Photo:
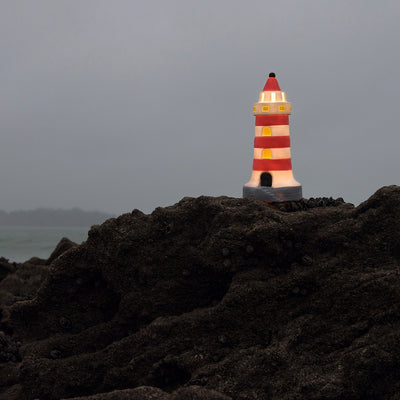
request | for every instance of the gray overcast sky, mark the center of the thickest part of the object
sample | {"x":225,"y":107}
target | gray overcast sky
{"x":116,"y":105}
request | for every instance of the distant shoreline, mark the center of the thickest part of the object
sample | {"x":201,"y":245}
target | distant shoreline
{"x":48,"y":217}
{"x":72,"y":227}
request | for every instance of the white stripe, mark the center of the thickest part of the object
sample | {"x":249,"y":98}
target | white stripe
{"x":276,"y":154}
{"x":276,"y":130}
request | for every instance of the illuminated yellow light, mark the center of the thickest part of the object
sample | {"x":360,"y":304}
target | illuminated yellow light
{"x":254,"y":108}
{"x":281,"y":108}
{"x":266,"y":131}
{"x":265,"y":108}
{"x":266,"y":153}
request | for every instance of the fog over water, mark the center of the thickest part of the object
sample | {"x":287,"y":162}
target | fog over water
{"x":19,"y":244}
{"x":119,"y":105}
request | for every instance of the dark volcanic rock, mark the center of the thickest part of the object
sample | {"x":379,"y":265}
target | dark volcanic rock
{"x":218,"y":298}
{"x":5,"y":268}
{"x":63,"y":245}
{"x":8,"y":349}
{"x":152,"y":393}
{"x":20,"y":282}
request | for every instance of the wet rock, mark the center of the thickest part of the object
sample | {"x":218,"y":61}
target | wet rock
{"x":8,"y":349}
{"x":186,"y":272}
{"x":139,"y":393}
{"x":198,"y":393}
{"x":249,"y":249}
{"x":63,"y":245}
{"x":306,"y":260}
{"x":296,"y":290}
{"x":36,"y":261}
{"x":55,"y":354}
{"x":65,"y":323}
{"x":227,"y":263}
{"x":20,"y":283}
{"x":5,"y":268}
{"x":141,"y":311}
{"x":225,"y":252}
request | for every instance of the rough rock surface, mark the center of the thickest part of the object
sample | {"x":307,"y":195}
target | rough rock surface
{"x":213,"y":298}
{"x":64,"y":245}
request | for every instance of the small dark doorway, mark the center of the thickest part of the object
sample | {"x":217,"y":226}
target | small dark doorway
{"x":266,"y":179}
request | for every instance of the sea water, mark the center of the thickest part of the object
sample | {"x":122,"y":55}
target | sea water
{"x":21,"y":243}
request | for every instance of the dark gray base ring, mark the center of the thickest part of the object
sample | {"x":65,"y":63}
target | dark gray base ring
{"x":266,"y":193}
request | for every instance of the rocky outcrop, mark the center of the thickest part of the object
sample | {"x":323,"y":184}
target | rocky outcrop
{"x":216,"y":298}
{"x":63,"y":245}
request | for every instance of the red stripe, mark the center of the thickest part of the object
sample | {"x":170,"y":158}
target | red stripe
{"x":272,"y":85}
{"x":282,"y":164}
{"x":271,"y":142}
{"x":269,"y":120}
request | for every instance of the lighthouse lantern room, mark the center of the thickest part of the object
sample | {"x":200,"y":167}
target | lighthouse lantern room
{"x":272,"y":177}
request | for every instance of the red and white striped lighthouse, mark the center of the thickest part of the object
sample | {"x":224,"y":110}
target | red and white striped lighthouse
{"x":272,"y":178}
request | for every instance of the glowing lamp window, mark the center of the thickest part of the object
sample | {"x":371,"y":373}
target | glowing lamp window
{"x":266,"y":131}
{"x":254,"y":108}
{"x":265,"y":108}
{"x":266,"y":153}
{"x":281,"y":108}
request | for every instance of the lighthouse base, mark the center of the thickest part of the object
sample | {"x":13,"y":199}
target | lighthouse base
{"x":267,"y":193}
